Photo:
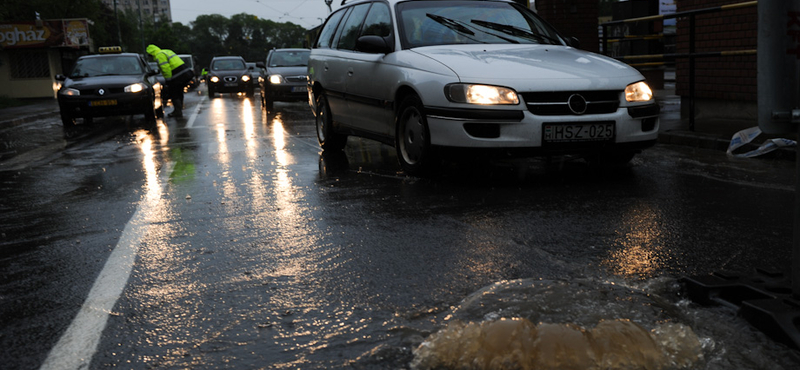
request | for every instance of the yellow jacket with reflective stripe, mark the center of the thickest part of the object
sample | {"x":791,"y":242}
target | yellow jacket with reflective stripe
{"x":167,"y":60}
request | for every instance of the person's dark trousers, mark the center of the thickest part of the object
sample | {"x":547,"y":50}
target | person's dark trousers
{"x":175,"y":85}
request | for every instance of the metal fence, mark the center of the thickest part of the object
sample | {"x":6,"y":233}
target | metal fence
{"x":665,"y":59}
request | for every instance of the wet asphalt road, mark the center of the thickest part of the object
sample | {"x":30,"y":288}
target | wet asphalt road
{"x":248,"y":248}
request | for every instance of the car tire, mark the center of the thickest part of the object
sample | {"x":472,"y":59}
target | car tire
{"x":327,"y":137}
{"x":250,"y":92}
{"x":210,"y":93}
{"x":412,"y":139}
{"x":150,"y":114}
{"x":268,"y":102}
{"x":67,"y":121}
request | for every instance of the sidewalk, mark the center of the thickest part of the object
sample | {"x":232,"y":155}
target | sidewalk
{"x":708,"y":134}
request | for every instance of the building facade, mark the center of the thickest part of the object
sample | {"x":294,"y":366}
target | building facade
{"x":158,"y":10}
{"x":32,"y":53}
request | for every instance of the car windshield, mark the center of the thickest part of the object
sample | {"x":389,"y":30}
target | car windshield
{"x":107,"y":66}
{"x":289,"y":58}
{"x":425,"y":23}
{"x":227,"y":65}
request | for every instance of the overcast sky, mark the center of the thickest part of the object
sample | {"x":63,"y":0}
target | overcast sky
{"x":306,"y":13}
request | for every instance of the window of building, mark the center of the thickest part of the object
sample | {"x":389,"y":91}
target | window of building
{"x":29,"y":64}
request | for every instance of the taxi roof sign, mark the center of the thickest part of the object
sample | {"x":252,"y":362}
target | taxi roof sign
{"x":110,"y":49}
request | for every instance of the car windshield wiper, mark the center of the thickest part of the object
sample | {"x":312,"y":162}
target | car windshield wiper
{"x":451,"y":24}
{"x":515,"y":31}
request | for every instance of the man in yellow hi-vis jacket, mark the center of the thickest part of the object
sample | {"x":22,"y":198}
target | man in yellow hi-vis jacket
{"x":175,"y":72}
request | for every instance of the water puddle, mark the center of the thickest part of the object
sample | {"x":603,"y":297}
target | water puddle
{"x":540,"y":324}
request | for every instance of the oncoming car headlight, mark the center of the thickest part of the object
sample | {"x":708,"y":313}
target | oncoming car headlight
{"x":214,"y":79}
{"x":481,"y":94}
{"x":245,"y":78}
{"x":135,"y":88}
{"x":70,"y":92}
{"x":275,"y":79}
{"x":638,"y":92}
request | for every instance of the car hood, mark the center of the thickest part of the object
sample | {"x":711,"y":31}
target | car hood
{"x":100,"y":81}
{"x":288,"y":71}
{"x":230,"y":72}
{"x":527,"y":67}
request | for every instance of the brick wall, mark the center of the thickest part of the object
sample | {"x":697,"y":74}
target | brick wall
{"x":573,"y":18}
{"x":719,"y":78}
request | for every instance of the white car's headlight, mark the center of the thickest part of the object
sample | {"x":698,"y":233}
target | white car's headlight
{"x":275,"y":79}
{"x":135,"y":88}
{"x":481,"y":94}
{"x":214,"y":79}
{"x":245,"y":78}
{"x":70,"y":92}
{"x":638,"y":92}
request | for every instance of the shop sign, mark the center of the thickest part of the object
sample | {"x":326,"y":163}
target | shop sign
{"x":49,"y":33}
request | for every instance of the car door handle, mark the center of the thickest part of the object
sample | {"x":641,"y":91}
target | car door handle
{"x":350,"y":72}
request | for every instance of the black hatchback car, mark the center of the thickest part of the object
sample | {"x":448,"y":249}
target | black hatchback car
{"x":109,"y":84}
{"x":285,"y":78}
{"x":230,"y":74}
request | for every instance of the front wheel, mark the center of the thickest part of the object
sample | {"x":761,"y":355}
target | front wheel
{"x":412,"y":140}
{"x":67,"y":121}
{"x":327,"y":137}
{"x":210,"y":92}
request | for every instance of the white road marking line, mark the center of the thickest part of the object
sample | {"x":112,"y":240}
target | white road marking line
{"x":194,"y":114}
{"x":79,"y":343}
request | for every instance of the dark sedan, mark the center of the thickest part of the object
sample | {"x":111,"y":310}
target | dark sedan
{"x":230,"y":74}
{"x":109,"y":85}
{"x":285,"y":78}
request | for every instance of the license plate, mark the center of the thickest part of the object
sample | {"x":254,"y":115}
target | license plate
{"x":578,"y":132}
{"x":102,"y":103}
{"x":298,"y":89}
{"x":230,"y":84}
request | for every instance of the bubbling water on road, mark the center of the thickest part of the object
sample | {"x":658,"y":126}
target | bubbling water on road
{"x":538,"y":324}
{"x":519,"y":344}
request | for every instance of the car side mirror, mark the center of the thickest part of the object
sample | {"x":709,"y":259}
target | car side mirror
{"x":373,"y":45}
{"x":574,"y":42}
{"x":151,"y":73}
{"x":61,"y":78}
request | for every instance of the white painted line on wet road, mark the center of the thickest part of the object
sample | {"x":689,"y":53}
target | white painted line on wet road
{"x":196,"y":111}
{"x":79,"y":343}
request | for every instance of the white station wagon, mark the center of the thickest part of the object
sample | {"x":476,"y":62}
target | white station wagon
{"x":426,"y":76}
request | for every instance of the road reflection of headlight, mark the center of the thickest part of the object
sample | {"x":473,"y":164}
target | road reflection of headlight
{"x":135,"y":88}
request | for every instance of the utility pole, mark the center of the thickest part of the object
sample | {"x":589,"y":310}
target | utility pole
{"x":119,"y":33}
{"x":141,"y":25}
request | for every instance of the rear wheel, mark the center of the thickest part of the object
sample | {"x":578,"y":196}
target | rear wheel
{"x":327,"y":137}
{"x":412,"y":140}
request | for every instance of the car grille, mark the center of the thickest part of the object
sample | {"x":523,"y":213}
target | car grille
{"x":296,"y":79}
{"x":106,"y":91}
{"x":567,"y":103}
{"x":230,"y":79}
